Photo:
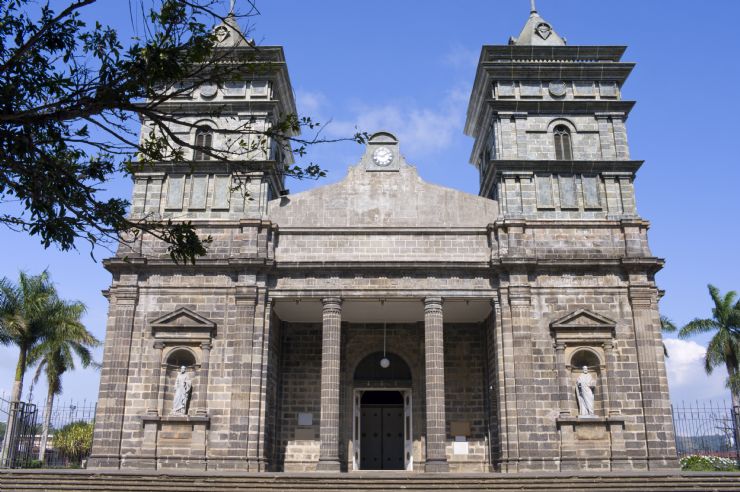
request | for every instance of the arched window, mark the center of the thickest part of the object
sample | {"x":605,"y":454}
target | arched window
{"x":203,"y":142}
{"x":563,"y":146}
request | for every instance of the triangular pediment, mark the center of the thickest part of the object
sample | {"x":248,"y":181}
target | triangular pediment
{"x":585,"y":319}
{"x":183,"y":318}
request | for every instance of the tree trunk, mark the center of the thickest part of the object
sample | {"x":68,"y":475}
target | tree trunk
{"x":8,"y":450}
{"x":732,"y":370}
{"x":47,"y":421}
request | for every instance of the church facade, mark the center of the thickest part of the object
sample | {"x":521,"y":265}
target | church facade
{"x":385,"y":323}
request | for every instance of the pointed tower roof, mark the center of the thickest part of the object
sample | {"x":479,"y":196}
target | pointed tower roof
{"x":537,"y":32}
{"x":229,"y":34}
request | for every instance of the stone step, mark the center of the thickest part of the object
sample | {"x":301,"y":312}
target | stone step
{"x":54,"y":480}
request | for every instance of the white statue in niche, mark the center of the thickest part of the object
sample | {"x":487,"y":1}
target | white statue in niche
{"x":584,"y":390}
{"x":183,"y":385}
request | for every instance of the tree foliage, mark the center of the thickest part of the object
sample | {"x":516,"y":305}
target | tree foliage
{"x":724,"y":347}
{"x":72,"y":95}
{"x":74,"y":440}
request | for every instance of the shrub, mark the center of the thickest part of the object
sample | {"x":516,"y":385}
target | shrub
{"x":74,"y":440}
{"x":696,"y":462}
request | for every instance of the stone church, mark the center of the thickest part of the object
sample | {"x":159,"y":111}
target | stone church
{"x":386,"y":323}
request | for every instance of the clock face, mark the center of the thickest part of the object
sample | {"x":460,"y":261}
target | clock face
{"x":383,"y":156}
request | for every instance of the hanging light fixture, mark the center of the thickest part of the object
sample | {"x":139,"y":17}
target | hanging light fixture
{"x":384,"y":362}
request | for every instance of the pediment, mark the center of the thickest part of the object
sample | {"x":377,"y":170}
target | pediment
{"x":583,"y":324}
{"x":583,"y":318}
{"x":182,"y":322}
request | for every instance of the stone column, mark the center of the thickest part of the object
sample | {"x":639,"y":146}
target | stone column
{"x":330,"y":357}
{"x":205,"y":349}
{"x":563,"y":389}
{"x":434,"y":356}
{"x":156,"y":372}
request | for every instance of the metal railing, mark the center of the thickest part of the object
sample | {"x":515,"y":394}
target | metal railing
{"x":708,"y":429}
{"x":62,"y":414}
{"x":19,"y":429}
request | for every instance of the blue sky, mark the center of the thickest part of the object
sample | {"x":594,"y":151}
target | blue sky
{"x":408,"y":67}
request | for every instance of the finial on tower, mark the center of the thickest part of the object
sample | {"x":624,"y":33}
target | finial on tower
{"x":232,"y":2}
{"x":537,"y":31}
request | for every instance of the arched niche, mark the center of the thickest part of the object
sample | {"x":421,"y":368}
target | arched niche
{"x":592,"y":359}
{"x":370,"y":372}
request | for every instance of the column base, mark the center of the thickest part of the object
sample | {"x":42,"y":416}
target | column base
{"x":328,"y":465}
{"x":436,"y":466}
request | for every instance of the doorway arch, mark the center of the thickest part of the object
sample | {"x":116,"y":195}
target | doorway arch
{"x":381,"y":424}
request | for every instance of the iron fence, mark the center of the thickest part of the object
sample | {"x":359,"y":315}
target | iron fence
{"x":62,"y":414}
{"x":708,"y":429}
{"x":19,"y":429}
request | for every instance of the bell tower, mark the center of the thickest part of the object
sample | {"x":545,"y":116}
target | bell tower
{"x":550,"y":144}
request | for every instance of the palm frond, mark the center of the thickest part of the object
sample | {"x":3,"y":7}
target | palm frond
{"x":697,"y":325}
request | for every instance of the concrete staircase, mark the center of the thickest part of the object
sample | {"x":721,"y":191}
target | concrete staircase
{"x":82,"y":480}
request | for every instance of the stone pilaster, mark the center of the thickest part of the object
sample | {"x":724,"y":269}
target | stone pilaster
{"x":205,"y":349}
{"x":434,"y":357}
{"x":156,"y":363}
{"x":563,"y":390}
{"x":656,"y":406}
{"x":258,"y":394}
{"x":610,"y":403}
{"x":330,"y":375}
{"x":106,"y":451}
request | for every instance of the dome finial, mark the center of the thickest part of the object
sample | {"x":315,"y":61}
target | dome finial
{"x":231,"y":6}
{"x":533,"y":8}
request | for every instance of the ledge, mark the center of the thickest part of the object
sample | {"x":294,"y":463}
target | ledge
{"x":612,"y":419}
{"x":185,"y":419}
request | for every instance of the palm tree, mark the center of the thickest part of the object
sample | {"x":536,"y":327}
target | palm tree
{"x":55,"y":355}
{"x":724,"y":347}
{"x":667,"y":326}
{"x":24,"y":322}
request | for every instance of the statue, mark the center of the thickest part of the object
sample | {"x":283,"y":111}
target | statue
{"x":183,"y":385}
{"x":584,"y":391}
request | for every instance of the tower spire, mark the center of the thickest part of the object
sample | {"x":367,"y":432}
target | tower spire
{"x":232,"y":2}
{"x":532,"y":10}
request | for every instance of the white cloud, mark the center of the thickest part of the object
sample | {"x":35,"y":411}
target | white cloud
{"x":461,"y":57}
{"x":421,"y":130}
{"x":310,"y":103}
{"x":687,"y":378}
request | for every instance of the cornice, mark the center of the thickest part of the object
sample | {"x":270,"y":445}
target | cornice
{"x":565,"y":107}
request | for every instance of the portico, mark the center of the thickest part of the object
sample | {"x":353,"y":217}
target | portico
{"x":358,"y":331}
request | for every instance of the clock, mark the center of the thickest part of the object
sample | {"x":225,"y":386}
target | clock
{"x":383,"y":156}
{"x":208,"y":89}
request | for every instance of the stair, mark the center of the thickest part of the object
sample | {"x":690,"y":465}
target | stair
{"x":170,"y":481}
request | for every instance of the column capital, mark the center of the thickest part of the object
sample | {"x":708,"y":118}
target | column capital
{"x":159,"y":345}
{"x":205,"y":345}
{"x":331,"y":303}
{"x":432,"y":303}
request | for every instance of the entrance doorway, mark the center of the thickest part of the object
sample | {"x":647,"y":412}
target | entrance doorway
{"x":381,"y":431}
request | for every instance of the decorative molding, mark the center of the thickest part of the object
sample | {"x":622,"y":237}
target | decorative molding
{"x":181,"y":323}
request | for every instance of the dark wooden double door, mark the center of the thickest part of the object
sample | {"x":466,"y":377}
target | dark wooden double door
{"x":381,"y":431}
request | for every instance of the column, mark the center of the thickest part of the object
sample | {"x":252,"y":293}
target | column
{"x":156,"y":372}
{"x":329,"y":425}
{"x":205,"y":350}
{"x":563,"y":389}
{"x":609,"y":365}
{"x":434,"y":356}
